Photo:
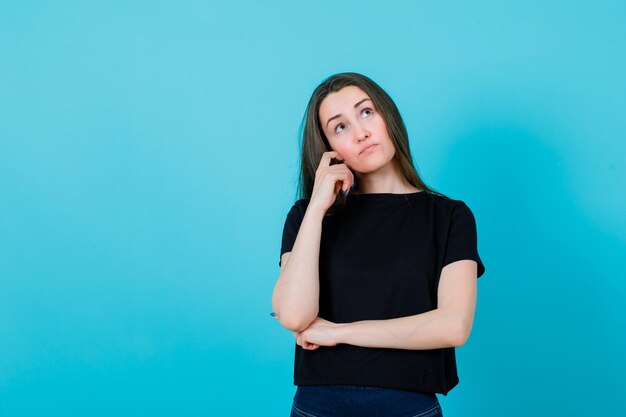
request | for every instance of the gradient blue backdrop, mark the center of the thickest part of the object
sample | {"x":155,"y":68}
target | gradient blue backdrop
{"x":148,"y":158}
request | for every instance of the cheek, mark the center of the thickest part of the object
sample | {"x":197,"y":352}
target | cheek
{"x":338,"y":146}
{"x":346,"y":152}
{"x":389,"y":145}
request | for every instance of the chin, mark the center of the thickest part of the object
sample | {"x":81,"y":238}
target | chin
{"x":370,"y":169}
{"x":374,"y":165}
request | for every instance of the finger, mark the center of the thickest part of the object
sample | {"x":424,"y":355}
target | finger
{"x":346,"y":182}
{"x":350,"y":179}
{"x":341,"y":178}
{"x":338,"y":186}
{"x":327,"y":156}
{"x":345,"y":176}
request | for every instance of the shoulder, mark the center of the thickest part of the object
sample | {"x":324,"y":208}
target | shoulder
{"x":447,"y":204}
{"x":301,"y":204}
{"x":298,"y":208}
{"x":450,"y":211}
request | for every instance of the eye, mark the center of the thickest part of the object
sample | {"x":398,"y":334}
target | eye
{"x":339,"y":128}
{"x":367,"y":112}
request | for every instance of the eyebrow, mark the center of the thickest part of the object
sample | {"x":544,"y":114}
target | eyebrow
{"x":339,"y":115}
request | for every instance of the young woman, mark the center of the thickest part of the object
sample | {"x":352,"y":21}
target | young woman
{"x":377,"y":271}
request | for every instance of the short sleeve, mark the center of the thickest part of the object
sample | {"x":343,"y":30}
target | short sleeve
{"x":291,"y":228}
{"x":462,"y":240}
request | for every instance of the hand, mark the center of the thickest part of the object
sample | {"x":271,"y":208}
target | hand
{"x":319,"y":333}
{"x":329,"y":179}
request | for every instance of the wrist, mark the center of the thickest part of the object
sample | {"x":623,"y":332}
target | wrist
{"x":341,"y":331}
{"x":315,"y":212}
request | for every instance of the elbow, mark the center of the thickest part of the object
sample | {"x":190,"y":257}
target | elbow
{"x":294,"y":313}
{"x":295,"y":319}
{"x":295,"y":324}
{"x":459,"y":333}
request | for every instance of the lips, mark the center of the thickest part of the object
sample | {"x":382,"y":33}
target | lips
{"x":367,"y":147}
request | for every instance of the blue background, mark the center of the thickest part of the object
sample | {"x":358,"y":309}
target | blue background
{"x":149,"y":156}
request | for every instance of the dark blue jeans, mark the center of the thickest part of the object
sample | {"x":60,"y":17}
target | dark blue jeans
{"x":358,"y":401}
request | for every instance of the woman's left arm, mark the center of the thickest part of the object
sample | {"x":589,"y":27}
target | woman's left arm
{"x":449,"y":325}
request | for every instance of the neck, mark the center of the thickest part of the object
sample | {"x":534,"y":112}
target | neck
{"x":385,"y":180}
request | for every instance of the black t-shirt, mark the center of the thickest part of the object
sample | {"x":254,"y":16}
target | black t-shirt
{"x":381,"y":258}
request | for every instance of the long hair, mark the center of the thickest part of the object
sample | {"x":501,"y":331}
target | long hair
{"x":314,"y":141}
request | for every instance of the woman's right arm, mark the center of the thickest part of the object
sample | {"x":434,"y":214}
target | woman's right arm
{"x":296,"y":294}
{"x":295,"y":299}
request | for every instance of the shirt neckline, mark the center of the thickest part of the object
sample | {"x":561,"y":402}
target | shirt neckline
{"x":387,"y":196}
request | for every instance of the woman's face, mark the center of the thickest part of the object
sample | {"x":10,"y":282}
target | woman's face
{"x":352,"y":125}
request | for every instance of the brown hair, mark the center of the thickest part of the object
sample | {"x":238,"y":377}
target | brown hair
{"x":314,"y":141}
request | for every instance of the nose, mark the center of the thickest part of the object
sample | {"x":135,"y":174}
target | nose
{"x":361,"y":132}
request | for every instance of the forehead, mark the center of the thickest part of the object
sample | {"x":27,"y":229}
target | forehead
{"x":341,"y":101}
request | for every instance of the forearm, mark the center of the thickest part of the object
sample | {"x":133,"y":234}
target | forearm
{"x":295,"y":299}
{"x":430,"y":330}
